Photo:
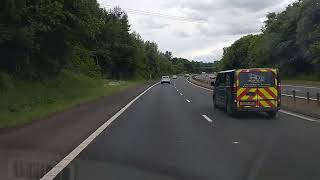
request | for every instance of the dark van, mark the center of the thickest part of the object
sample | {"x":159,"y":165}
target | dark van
{"x":254,"y":90}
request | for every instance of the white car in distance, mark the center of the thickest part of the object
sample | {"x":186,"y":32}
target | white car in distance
{"x":174,"y":77}
{"x":165,"y":79}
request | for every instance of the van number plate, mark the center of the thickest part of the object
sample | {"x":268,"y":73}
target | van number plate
{"x":248,"y":103}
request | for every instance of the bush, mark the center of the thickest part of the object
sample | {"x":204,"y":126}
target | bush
{"x":83,"y":63}
{"x":5,"y":81}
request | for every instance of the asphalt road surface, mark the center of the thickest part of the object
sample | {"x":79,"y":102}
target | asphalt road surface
{"x":301,"y":91}
{"x":173,"y":132}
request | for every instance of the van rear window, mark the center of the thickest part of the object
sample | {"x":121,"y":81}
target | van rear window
{"x":256,"y":79}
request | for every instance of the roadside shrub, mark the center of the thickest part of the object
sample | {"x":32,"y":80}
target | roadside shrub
{"x":84,"y":63}
{"x":5,"y":81}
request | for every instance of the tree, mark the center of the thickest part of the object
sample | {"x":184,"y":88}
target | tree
{"x":289,"y":41}
{"x":236,"y":56}
{"x":40,"y":38}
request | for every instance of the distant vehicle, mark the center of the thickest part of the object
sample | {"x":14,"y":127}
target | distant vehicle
{"x":165,"y":79}
{"x":174,"y":77}
{"x":212,"y":76}
{"x":186,"y":75}
{"x":203,"y":73}
{"x":254,"y":90}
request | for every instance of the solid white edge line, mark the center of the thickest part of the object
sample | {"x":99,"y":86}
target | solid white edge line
{"x":282,"y":111}
{"x":73,"y":154}
{"x":188,"y":100}
{"x":207,"y":118}
{"x":299,"y":116}
{"x":199,"y":86}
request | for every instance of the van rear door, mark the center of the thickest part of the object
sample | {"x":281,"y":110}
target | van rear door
{"x":257,"y":88}
{"x":246,"y":91}
{"x":268,"y":93}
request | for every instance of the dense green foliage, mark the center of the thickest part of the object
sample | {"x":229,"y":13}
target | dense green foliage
{"x":39,"y":38}
{"x":183,"y":65}
{"x":57,"y":54}
{"x":290,"y":41}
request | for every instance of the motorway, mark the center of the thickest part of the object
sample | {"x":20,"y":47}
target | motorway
{"x":173,"y":132}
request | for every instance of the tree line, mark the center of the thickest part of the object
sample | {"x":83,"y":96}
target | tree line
{"x":39,"y":38}
{"x":290,"y":41}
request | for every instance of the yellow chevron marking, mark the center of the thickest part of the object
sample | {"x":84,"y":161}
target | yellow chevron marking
{"x":240,"y":90}
{"x":245,"y":98}
{"x":264,"y":104}
{"x":274,"y":90}
{"x":265,"y":93}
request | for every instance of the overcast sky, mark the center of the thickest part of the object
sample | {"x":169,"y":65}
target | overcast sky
{"x":196,"y":29}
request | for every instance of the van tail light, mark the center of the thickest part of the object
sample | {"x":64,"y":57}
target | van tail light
{"x":235,"y":92}
{"x":279,"y":87}
{"x":279,"y":94}
{"x":234,"y":88}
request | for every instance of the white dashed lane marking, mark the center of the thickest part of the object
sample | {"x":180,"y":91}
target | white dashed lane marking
{"x":207,"y":118}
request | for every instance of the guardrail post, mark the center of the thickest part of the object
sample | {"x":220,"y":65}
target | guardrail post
{"x":308,"y":96}
{"x":318,"y":98}
{"x":294,"y":94}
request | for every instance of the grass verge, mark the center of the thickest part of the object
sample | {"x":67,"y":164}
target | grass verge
{"x":306,"y":80}
{"x":31,"y":100}
{"x":301,"y":82}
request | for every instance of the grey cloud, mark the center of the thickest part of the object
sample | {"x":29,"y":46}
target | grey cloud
{"x":251,"y":5}
{"x":205,"y":58}
{"x":150,"y":23}
{"x":228,"y":28}
{"x":182,"y":34}
{"x":213,"y":5}
{"x":226,"y":10}
{"x":217,"y":23}
{"x":227,"y":17}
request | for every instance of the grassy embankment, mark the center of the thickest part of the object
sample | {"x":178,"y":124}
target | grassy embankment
{"x":301,"y":82}
{"x":305,"y":80}
{"x":27,"y":101}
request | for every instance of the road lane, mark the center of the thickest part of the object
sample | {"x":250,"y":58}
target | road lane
{"x":275,"y":137}
{"x":162,"y":136}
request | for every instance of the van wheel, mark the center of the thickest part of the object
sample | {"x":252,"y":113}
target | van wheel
{"x":230,"y":110}
{"x":272,"y":114}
